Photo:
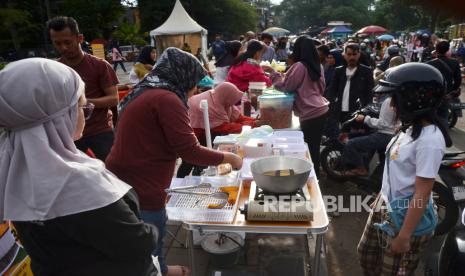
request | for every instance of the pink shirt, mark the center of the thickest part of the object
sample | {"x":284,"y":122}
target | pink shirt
{"x":309,"y":101}
{"x":116,"y":55}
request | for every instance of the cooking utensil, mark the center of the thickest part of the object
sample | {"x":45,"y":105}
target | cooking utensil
{"x":222,"y":197}
{"x":200,"y":186}
{"x":280,"y":184}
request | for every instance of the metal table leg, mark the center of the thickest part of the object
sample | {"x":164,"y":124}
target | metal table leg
{"x":190,"y":245}
{"x":317,"y":258}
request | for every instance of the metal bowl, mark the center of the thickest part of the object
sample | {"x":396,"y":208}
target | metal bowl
{"x":280,"y":184}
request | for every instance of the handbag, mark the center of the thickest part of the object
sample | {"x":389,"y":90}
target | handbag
{"x":397,"y":211}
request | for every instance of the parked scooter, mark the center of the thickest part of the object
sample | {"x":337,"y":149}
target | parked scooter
{"x":331,"y":156}
{"x":455,"y":110}
{"x":449,"y":195}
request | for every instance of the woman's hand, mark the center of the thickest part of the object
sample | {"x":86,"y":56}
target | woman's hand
{"x":268,"y":69}
{"x":233,"y":159}
{"x":359,"y":118}
{"x":400,"y":245}
{"x":260,"y":122}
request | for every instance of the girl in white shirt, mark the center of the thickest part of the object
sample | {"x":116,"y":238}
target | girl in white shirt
{"x":413,"y":158}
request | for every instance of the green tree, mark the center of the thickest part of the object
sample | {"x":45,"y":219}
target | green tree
{"x":21,"y":24}
{"x":228,"y":17}
{"x":129,"y":34}
{"x":95,"y":17}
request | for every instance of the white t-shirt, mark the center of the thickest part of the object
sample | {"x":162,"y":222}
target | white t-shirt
{"x":133,"y":79}
{"x":409,"y":159}
{"x":345,"y":96}
{"x":221,"y":74}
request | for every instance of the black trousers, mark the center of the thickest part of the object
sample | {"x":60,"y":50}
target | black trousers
{"x":313,"y":130}
{"x":185,"y":169}
{"x":100,"y":144}
{"x":115,"y":65}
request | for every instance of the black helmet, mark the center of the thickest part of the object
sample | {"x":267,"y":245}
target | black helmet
{"x":416,"y":88}
{"x":393,"y":50}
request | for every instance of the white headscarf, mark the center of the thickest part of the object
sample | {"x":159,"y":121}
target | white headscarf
{"x":42,"y":174}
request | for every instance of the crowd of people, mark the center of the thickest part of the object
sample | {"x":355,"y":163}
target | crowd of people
{"x":63,"y":202}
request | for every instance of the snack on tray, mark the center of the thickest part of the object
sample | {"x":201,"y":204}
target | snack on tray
{"x":232,"y":191}
{"x":214,"y":206}
{"x":224,"y":169}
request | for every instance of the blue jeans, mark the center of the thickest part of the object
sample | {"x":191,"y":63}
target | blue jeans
{"x":157,"y":218}
{"x":359,"y":151}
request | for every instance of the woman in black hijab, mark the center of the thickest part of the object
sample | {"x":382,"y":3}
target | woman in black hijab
{"x":224,"y":62}
{"x":153,"y":131}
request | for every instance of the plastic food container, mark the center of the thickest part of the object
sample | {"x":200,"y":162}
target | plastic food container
{"x":293,"y":150}
{"x":288,"y":133}
{"x":255,"y":90}
{"x":277,"y":109}
{"x":254,"y":147}
{"x":288,"y":140}
{"x":183,"y":207}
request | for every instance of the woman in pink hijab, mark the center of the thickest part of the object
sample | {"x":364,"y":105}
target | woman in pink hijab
{"x":224,"y":116}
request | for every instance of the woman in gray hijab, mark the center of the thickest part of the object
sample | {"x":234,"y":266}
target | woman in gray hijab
{"x":72,"y":216}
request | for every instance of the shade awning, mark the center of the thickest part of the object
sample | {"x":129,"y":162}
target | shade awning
{"x":179,"y":22}
{"x":373,"y":29}
{"x":340,"y":29}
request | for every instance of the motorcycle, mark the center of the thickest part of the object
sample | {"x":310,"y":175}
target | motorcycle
{"x":448,"y":244}
{"x":455,"y":110}
{"x":331,"y":156}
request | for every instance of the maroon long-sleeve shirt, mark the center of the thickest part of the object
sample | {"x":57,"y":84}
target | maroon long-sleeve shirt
{"x":152,"y":132}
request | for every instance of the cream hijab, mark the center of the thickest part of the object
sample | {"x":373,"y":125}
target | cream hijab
{"x":42,"y":174}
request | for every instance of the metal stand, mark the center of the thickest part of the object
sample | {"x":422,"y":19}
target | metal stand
{"x":190,"y":248}
{"x":317,"y":258}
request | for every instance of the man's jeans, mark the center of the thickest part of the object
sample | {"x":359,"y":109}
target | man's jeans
{"x":157,"y":218}
{"x":359,"y":151}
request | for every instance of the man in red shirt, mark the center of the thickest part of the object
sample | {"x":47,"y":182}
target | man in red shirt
{"x":100,"y":80}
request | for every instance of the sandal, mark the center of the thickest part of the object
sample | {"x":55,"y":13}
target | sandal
{"x":178,"y":270}
{"x":356,"y":172}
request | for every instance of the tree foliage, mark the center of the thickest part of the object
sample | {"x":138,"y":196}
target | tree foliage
{"x":396,"y":15}
{"x":129,"y":34}
{"x":297,"y":15}
{"x":229,"y":17}
{"x":95,"y":17}
{"x":20,"y":24}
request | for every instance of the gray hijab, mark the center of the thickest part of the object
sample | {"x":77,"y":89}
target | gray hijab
{"x":42,"y":174}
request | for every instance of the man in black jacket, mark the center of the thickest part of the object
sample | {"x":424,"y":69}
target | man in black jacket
{"x":351,"y":83}
{"x":450,"y":70}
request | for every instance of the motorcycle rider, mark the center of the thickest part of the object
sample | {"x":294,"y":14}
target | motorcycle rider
{"x":393,"y":239}
{"x":450,"y":70}
{"x":392,"y":51}
{"x":359,"y":150}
